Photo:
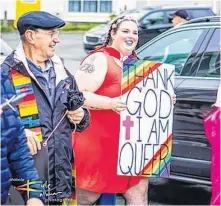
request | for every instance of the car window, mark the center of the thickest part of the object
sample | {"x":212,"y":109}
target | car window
{"x":210,"y":62}
{"x":153,"y":18}
{"x":173,"y":48}
{"x":200,"y":13}
{"x":5,"y":49}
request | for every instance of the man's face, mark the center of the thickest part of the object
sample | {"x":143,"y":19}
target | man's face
{"x":176,"y":20}
{"x":45,"y":42}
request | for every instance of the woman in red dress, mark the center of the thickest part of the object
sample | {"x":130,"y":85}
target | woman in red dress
{"x":96,"y":149}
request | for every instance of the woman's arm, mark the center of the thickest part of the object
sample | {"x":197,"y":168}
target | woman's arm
{"x":89,"y":77}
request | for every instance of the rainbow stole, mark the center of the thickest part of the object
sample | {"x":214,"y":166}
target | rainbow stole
{"x":28,"y":108}
{"x":132,"y":68}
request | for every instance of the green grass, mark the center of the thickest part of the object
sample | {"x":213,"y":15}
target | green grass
{"x":79,"y":26}
{"x":4,"y":28}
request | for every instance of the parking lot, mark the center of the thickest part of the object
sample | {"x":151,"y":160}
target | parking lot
{"x":162,"y":191}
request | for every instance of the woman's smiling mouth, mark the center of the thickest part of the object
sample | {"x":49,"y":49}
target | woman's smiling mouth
{"x":129,"y":42}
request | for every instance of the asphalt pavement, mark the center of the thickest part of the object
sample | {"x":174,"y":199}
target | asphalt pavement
{"x":161,"y":191}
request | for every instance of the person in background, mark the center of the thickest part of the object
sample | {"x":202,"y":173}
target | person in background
{"x":16,"y":161}
{"x":212,"y":131}
{"x":179,"y":17}
{"x":35,"y":68}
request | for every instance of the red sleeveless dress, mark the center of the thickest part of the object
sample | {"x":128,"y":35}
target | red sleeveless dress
{"x":96,"y":149}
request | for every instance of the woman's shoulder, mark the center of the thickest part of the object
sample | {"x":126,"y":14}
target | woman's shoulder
{"x":96,"y":55}
{"x":98,"y":58}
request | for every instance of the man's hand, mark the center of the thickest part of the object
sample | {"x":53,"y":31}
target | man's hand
{"x":117,"y":105}
{"x":76,"y":116}
{"x":33,"y":142}
{"x":34,"y":201}
{"x":174,"y":99}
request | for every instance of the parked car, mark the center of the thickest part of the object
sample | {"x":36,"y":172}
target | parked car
{"x":159,"y":20}
{"x":151,"y":22}
{"x":5,"y":50}
{"x":97,"y":35}
{"x":194,"y":49}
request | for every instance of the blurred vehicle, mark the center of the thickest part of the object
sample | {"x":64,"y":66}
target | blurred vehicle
{"x":5,"y":50}
{"x":159,"y":20}
{"x":194,"y":49}
{"x":151,"y":22}
{"x":97,"y":35}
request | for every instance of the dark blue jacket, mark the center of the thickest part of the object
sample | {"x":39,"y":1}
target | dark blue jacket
{"x":17,"y":164}
{"x":55,"y":161}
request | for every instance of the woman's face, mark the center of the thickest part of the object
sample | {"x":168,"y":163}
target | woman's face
{"x":126,"y":37}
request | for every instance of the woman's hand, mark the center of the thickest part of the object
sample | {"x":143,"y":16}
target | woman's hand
{"x":174,"y":99}
{"x":117,"y":105}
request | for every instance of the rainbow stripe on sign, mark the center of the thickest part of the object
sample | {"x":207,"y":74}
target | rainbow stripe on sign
{"x":28,"y":109}
{"x":135,"y":72}
{"x":160,"y":163}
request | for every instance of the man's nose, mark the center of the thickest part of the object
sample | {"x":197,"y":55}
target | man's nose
{"x":56,"y":40}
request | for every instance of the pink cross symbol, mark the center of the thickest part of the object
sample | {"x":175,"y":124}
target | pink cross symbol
{"x":128,"y":124}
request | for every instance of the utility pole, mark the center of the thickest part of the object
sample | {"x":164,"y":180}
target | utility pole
{"x":5,"y":21}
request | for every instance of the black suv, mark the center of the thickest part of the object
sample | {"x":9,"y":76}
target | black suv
{"x":194,"y":49}
{"x":151,"y":22}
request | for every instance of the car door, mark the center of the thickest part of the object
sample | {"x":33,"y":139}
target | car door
{"x":196,"y":91}
{"x":181,"y":48}
{"x":148,"y":27}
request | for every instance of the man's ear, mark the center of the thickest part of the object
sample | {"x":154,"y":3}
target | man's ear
{"x":30,"y":36}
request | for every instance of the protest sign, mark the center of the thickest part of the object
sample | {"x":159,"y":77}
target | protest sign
{"x":146,"y":125}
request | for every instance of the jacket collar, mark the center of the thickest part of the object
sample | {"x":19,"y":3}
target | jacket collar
{"x":59,"y":69}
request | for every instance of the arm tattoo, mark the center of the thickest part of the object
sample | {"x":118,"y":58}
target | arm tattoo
{"x":88,"y":66}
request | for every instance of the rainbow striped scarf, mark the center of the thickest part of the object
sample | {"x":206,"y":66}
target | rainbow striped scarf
{"x":28,"y":108}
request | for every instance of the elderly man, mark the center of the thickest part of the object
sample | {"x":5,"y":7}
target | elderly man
{"x":36,"y":70}
{"x":179,"y":17}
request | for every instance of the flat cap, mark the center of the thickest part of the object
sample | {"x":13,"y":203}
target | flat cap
{"x":38,"y":19}
{"x":181,"y":13}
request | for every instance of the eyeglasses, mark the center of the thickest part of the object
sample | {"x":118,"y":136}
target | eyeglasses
{"x":52,"y":34}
